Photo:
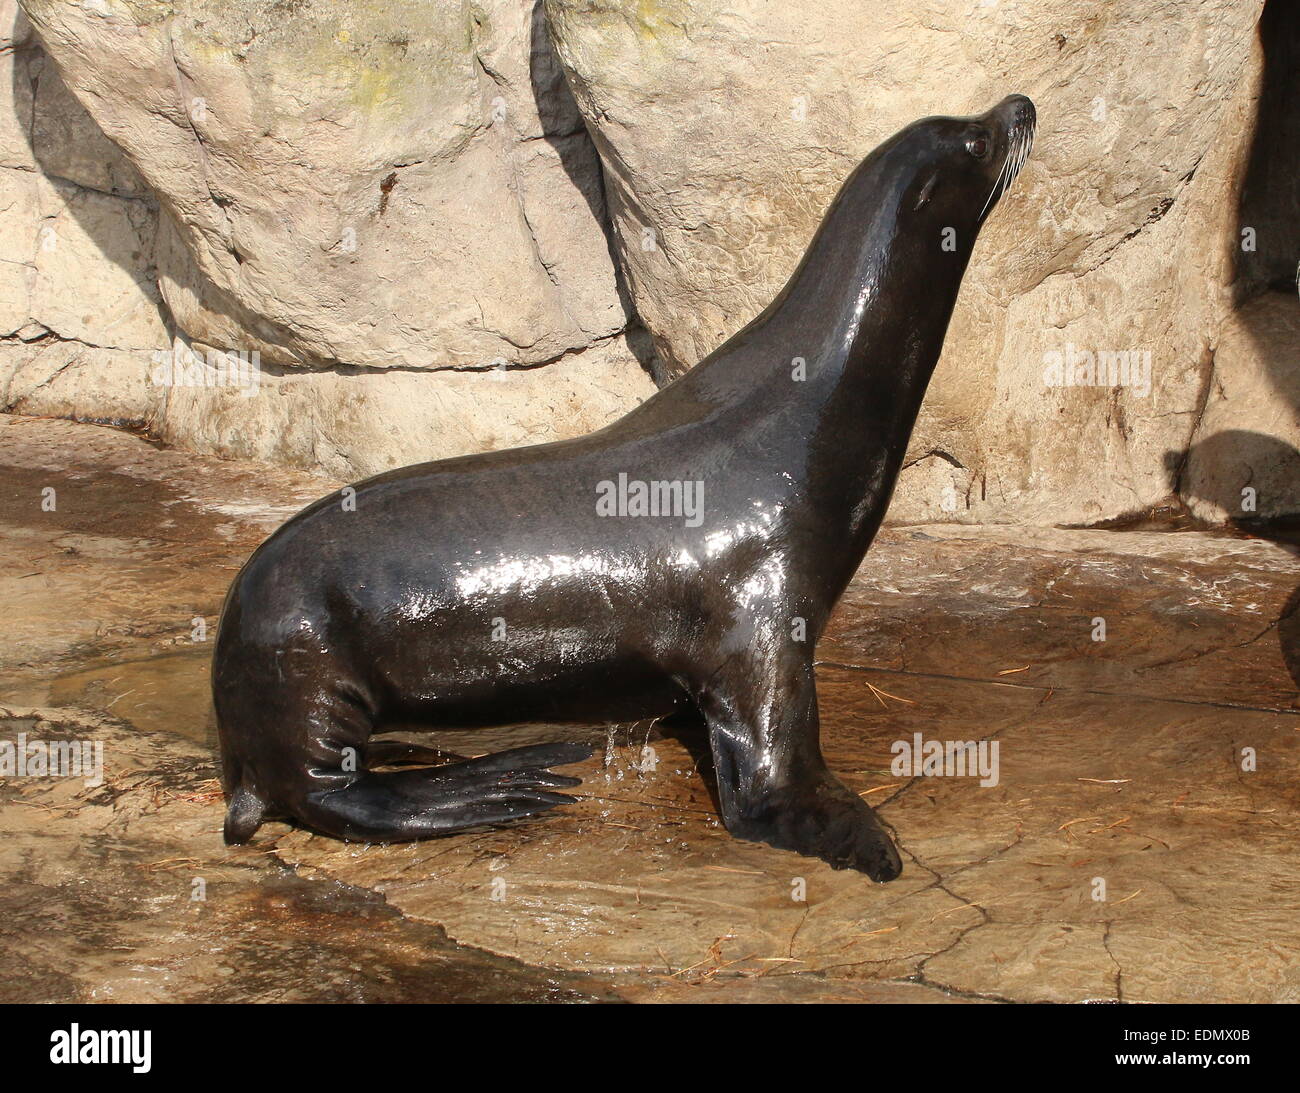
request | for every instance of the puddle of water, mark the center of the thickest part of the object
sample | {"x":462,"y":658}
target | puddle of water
{"x":169,"y":692}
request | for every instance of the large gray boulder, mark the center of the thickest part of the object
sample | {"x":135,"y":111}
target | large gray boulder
{"x":380,"y":187}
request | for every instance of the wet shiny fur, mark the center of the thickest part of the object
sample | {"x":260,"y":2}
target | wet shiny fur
{"x":489,"y":589}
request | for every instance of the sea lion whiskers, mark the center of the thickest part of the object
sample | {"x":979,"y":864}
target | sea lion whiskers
{"x":996,"y":191}
{"x":1019,"y":142}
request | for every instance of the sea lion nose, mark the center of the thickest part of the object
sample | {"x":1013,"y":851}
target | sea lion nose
{"x":1015,"y":111}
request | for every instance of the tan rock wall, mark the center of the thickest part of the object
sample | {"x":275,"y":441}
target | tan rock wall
{"x":726,"y":126}
{"x":441,"y":226}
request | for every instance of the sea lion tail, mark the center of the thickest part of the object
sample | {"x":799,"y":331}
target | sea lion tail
{"x":244,"y":815}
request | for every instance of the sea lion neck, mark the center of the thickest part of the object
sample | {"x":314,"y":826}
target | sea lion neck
{"x":847,"y":348}
{"x":875,"y":273}
{"x":826,"y":384}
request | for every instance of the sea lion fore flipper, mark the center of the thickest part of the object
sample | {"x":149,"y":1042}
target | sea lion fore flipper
{"x":773,"y":783}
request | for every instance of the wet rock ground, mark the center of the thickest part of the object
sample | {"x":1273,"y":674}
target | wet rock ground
{"x":1139,"y":843}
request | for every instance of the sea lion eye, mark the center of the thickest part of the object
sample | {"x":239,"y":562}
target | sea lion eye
{"x":978,"y":147}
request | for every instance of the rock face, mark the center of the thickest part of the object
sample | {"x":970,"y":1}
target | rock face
{"x":452,"y":226}
{"x":395,"y":189}
{"x":352,"y":425}
{"x":79,"y":303}
{"x":726,"y":126}
{"x":361,"y":197}
{"x":1243,"y":464}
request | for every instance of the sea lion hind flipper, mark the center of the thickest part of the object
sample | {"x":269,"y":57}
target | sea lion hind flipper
{"x":399,"y":806}
{"x":381,"y":753}
{"x":529,"y":757}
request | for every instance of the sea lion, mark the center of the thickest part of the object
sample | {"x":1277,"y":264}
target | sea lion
{"x":688,"y":555}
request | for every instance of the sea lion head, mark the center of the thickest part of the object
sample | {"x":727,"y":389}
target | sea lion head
{"x":885,"y":267}
{"x":958,"y":168}
{"x":896,"y":240}
{"x":907,"y":219}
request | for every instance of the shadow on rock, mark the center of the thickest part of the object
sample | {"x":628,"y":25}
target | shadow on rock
{"x":1223,"y":470}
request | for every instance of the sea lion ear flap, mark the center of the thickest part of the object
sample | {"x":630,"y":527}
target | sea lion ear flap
{"x":926,"y":191}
